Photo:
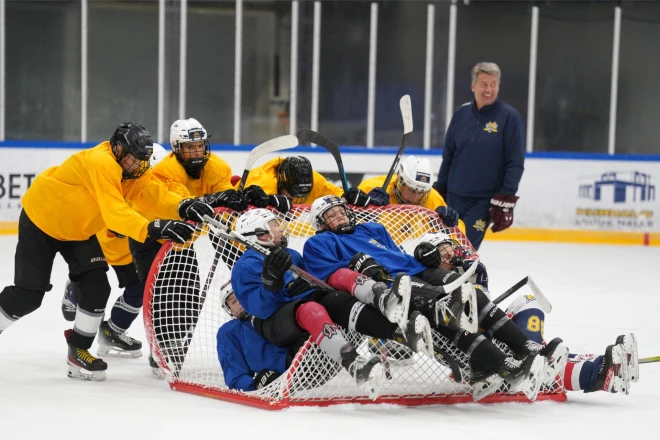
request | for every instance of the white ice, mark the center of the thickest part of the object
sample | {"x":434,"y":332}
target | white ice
{"x":597,"y":292}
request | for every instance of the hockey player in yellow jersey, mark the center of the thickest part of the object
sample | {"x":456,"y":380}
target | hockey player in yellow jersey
{"x":294,"y":178}
{"x":65,"y":207}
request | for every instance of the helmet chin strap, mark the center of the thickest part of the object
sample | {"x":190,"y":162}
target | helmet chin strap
{"x":346,"y":228}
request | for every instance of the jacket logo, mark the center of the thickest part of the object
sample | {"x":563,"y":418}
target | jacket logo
{"x":375,"y":243}
{"x":491,"y":127}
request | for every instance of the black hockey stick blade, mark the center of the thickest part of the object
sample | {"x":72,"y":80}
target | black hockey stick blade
{"x":276,"y":144}
{"x":406,"y":115}
{"x":510,"y":291}
{"x":312,"y":137}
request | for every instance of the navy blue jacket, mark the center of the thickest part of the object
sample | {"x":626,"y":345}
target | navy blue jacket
{"x":484,"y":152}
{"x":242,"y":353}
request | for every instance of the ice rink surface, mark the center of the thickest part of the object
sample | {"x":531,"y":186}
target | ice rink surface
{"x":597,"y":292}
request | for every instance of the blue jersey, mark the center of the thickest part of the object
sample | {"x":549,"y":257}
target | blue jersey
{"x":249,"y":289}
{"x":484,"y":151}
{"x":327,"y":252}
{"x":243,"y":353}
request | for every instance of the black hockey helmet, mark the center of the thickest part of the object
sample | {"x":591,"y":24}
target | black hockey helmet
{"x":295,"y":175}
{"x":136,"y":142}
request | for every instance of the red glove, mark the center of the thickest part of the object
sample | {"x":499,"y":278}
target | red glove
{"x":501,"y":211}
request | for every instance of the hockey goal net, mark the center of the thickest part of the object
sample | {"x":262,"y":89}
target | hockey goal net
{"x":182,"y":314}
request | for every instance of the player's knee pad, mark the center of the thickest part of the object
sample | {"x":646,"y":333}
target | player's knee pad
{"x":126,"y":274}
{"x":350,"y":281}
{"x":17,"y":302}
{"x":94,"y":290}
{"x":311,"y":316}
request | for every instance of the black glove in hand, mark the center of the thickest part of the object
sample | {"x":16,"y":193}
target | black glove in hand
{"x":174,"y":230}
{"x":501,"y":211}
{"x":448,"y":215}
{"x":298,"y":287}
{"x":195,"y":210}
{"x":481,"y":274}
{"x":357,"y":197}
{"x":230,"y":198}
{"x":379,"y":196}
{"x":427,"y":254}
{"x":256,"y":196}
{"x":280,"y":202}
{"x":367,"y":266}
{"x":275,"y":266}
{"x":264,"y":378}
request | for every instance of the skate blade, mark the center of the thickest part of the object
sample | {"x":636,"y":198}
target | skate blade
{"x":486,"y":387}
{"x":469,"y":322}
{"x":106,"y":351}
{"x":621,"y":381}
{"x":425,"y":343}
{"x":401,"y":318}
{"x":556,"y":364}
{"x":373,"y":384}
{"x":156,"y":372}
{"x":76,"y":372}
{"x":532,"y":383}
{"x":630,"y":346}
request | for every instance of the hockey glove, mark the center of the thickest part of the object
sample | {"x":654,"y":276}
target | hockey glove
{"x":275,"y":266}
{"x":174,"y":230}
{"x":195,"y":210}
{"x":367,"y":266}
{"x":357,"y":197}
{"x":264,"y":378}
{"x":379,"y":196}
{"x":481,"y":274}
{"x":298,"y":287}
{"x":427,"y":254}
{"x":448,"y":215}
{"x":230,"y":198}
{"x":256,"y":196}
{"x":280,"y":202}
{"x":501,"y":211}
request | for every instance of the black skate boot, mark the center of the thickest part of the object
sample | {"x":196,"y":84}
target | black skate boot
{"x":613,"y":376}
{"x":79,"y":359}
{"x":525,"y":375}
{"x":629,"y":344}
{"x":113,"y":343}
{"x":555,"y":352}
{"x":394,"y":303}
{"x":69,"y":306}
{"x":418,"y":336}
{"x":155,"y":369}
{"x":367,"y":373}
{"x":458,"y":310}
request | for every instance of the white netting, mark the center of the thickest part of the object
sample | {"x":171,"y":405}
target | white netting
{"x":183,"y":314}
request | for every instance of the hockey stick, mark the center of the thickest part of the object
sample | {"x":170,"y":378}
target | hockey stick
{"x":510,"y":291}
{"x":276,"y":144}
{"x":406,"y":114}
{"x":313,"y":137}
{"x":226,"y":232}
{"x":649,"y":360}
{"x":544,"y":304}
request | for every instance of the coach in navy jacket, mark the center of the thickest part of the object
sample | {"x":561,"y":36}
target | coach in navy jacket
{"x":483,"y":157}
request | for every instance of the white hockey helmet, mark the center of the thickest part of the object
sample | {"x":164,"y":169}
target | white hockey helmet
{"x":436,"y":238}
{"x":256,"y":222}
{"x":322,"y":205}
{"x":189,"y":130}
{"x":415,"y":173}
{"x":159,"y":154}
{"x":225,"y":291}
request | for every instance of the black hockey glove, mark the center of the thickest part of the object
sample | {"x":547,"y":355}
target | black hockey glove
{"x":195,"y":210}
{"x":481,"y":274}
{"x":357,"y":197}
{"x":367,"y":266}
{"x":280,"y":202}
{"x":230,"y":198}
{"x":379,"y":196}
{"x":298,"y":286}
{"x":174,"y":230}
{"x":427,"y":254}
{"x":264,"y":378}
{"x":448,"y":215}
{"x":275,"y":266}
{"x":256,"y":196}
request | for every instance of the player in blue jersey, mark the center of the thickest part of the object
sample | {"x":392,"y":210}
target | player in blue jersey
{"x":610,"y":372}
{"x":285,"y":308}
{"x":339,"y":242}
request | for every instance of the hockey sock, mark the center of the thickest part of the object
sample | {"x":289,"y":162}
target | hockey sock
{"x":94,"y":293}
{"x":497,"y":324}
{"x":313,"y":318}
{"x":481,"y":352}
{"x":127,"y":307}
{"x":354,"y":283}
{"x":581,"y":371}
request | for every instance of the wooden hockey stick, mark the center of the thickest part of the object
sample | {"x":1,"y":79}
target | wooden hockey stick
{"x":313,"y":137}
{"x":406,"y":114}
{"x":648,"y":360}
{"x":276,"y":144}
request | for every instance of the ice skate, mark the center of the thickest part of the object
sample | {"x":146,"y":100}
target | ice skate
{"x":629,"y":345}
{"x":82,"y":365}
{"x":155,"y":369}
{"x":394,"y":303}
{"x":113,"y":343}
{"x":368,"y":373}
{"x":613,"y":376}
{"x":458,"y":310}
{"x":556,"y":354}
{"x":525,"y":375}
{"x":418,"y":336}
{"x":69,"y":303}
